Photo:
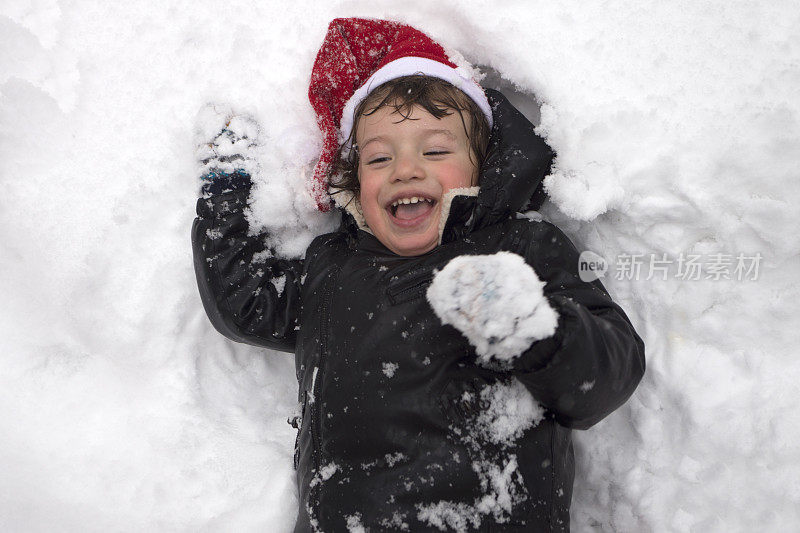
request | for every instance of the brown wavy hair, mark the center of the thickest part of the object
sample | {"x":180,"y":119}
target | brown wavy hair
{"x":434,"y":95}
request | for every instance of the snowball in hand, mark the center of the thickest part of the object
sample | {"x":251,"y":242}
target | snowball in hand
{"x":496,"y":301}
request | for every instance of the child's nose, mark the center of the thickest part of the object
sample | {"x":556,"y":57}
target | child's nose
{"x":407,"y":167}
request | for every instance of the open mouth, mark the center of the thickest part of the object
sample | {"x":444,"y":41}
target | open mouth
{"x":409,"y":209}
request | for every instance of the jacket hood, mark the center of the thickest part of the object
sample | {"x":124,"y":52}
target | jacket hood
{"x":511,"y":176}
{"x":510,"y":181}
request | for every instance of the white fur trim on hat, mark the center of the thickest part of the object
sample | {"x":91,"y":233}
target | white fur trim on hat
{"x":407,"y":66}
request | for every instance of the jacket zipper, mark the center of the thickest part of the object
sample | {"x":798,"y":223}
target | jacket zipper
{"x":316,"y":408}
{"x":316,"y":405}
{"x":400,"y":293}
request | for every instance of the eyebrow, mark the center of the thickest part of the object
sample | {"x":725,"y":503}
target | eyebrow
{"x":427,"y":133}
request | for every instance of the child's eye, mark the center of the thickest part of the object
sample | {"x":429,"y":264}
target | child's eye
{"x":437,"y":152}
{"x":377,"y":160}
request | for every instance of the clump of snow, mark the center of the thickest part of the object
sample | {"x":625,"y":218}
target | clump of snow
{"x":288,"y":218}
{"x":394,"y":458}
{"x":534,"y":216}
{"x":397,"y":522}
{"x":496,"y":301}
{"x":310,"y":392}
{"x":464,"y":68}
{"x":390,"y":459}
{"x":279,"y":283}
{"x":262,"y":256}
{"x":324,"y":474}
{"x":213,"y":233}
{"x":445,"y":514}
{"x":389,"y":369}
{"x":507,"y":410}
{"x":354,"y":524}
{"x":327,"y":471}
{"x":501,"y":485}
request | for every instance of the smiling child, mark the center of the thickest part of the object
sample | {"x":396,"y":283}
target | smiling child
{"x":445,"y":346}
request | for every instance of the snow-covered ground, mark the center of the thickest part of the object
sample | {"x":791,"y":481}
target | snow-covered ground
{"x":677,"y":126}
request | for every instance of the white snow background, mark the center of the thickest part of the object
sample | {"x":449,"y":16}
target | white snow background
{"x":677,"y":126}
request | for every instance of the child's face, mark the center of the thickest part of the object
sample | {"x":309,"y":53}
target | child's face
{"x":400,"y":160}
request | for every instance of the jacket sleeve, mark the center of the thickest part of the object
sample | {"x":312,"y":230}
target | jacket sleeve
{"x":595,"y":360}
{"x":249,"y":295}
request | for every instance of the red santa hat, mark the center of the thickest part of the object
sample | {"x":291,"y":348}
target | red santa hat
{"x":357,"y":56}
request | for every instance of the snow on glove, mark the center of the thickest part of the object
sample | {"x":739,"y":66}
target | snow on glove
{"x":496,"y":301}
{"x":225,"y":142}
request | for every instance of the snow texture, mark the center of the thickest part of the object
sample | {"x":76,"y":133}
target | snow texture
{"x":676,"y":126}
{"x":496,"y":301}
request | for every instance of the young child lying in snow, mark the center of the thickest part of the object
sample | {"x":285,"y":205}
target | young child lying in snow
{"x":445,"y":346}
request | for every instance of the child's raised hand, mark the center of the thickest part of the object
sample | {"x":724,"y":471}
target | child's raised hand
{"x":496,"y":301}
{"x":225,"y":141}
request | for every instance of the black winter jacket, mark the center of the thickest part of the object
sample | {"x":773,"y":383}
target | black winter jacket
{"x":390,"y":447}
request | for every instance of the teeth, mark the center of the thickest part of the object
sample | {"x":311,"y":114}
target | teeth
{"x":412,"y":200}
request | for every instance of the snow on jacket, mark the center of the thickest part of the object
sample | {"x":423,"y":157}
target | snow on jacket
{"x":400,"y":429}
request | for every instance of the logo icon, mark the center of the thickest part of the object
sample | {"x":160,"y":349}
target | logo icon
{"x":591,"y":266}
